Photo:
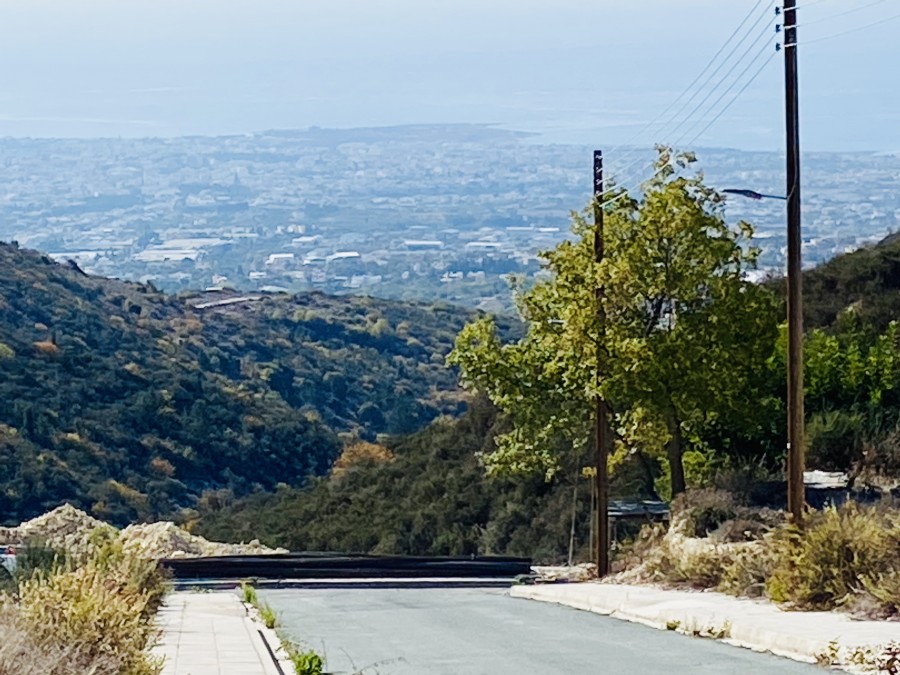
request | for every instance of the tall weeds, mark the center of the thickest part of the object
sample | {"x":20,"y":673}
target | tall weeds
{"x":91,"y":615}
{"x":844,"y":558}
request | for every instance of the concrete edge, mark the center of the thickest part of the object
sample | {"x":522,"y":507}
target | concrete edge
{"x":267,"y":642}
{"x":390,"y":583}
{"x":697,"y":623}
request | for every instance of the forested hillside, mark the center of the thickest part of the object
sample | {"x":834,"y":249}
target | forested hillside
{"x":425,"y":494}
{"x":866,"y":280}
{"x":130,"y":403}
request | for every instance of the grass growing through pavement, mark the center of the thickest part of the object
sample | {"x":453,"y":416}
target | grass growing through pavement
{"x":305,"y":662}
{"x":267,"y":614}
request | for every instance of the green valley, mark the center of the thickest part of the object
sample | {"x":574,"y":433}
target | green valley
{"x":130,"y":403}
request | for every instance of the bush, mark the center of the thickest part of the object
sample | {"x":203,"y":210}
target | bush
{"x":746,"y":570}
{"x":846,"y":557}
{"x":712,"y":542}
{"x":21,"y":654}
{"x":840,"y":557}
{"x":834,"y":440}
{"x":97,"y":611}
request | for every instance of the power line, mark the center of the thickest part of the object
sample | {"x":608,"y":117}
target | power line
{"x":708,"y":65}
{"x":808,"y":4}
{"x":760,"y":53}
{"x":758,"y":36}
{"x":705,"y":128}
{"x":845,"y":32}
{"x":839,"y":14}
{"x":735,"y":98}
{"x":696,"y":112}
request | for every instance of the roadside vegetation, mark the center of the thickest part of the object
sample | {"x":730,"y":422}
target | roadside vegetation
{"x":71,"y":613}
{"x":305,"y":661}
{"x":845,"y":557}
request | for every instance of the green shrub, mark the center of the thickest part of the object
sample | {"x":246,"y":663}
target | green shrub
{"x":305,"y":662}
{"x":834,"y":440}
{"x":36,"y":557}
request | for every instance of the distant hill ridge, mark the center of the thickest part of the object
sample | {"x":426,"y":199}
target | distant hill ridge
{"x":129,"y":403}
{"x":866,"y":280}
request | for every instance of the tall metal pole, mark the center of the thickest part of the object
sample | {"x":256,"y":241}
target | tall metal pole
{"x":601,"y":413}
{"x":795,"y":448}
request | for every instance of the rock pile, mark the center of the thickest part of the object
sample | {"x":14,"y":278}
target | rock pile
{"x":551,"y":574}
{"x":167,"y":540}
{"x":70,"y":529}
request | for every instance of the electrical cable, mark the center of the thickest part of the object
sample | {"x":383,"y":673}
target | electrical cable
{"x":845,"y":32}
{"x":807,"y":4}
{"x":709,"y":64}
{"x":758,"y":36}
{"x":694,"y":113}
{"x":702,"y":131}
{"x":734,"y":83}
{"x":835,"y":16}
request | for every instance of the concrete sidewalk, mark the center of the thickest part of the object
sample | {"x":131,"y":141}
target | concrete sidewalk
{"x":212,"y":634}
{"x":755,"y":624}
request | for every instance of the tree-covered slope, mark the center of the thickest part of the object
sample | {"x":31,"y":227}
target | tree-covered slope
{"x":424,"y":494}
{"x":868,"y":280}
{"x":130,"y":403}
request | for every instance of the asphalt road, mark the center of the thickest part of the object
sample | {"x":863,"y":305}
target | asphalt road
{"x":474,"y":631}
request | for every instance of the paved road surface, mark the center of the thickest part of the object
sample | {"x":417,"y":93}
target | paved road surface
{"x":474,"y":631}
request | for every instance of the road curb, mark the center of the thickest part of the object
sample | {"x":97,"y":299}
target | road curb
{"x":810,"y":637}
{"x":268,"y":643}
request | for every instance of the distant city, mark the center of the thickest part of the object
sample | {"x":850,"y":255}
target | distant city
{"x":432,"y":212}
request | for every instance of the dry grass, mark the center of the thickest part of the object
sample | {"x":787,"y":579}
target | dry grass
{"x":848,"y":557}
{"x":90,"y":615}
{"x":845,"y":558}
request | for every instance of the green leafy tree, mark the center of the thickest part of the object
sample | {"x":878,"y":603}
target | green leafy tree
{"x":852,"y":380}
{"x":686,"y":335}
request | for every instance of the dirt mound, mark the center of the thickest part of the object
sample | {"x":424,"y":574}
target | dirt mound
{"x":70,"y":529}
{"x":167,"y":540}
{"x":64,"y":527}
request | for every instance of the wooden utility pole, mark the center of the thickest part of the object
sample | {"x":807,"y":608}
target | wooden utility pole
{"x":601,"y":413}
{"x":795,"y":461}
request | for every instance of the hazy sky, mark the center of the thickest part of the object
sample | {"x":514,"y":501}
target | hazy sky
{"x":587,"y":71}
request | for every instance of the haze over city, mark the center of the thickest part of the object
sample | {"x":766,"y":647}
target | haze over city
{"x":565,"y":69}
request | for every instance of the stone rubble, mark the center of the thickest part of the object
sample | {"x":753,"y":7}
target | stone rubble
{"x":71,"y":529}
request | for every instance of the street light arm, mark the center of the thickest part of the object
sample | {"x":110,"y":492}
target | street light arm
{"x":751,"y":194}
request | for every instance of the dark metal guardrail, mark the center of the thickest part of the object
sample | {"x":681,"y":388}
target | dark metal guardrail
{"x":339,"y":566}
